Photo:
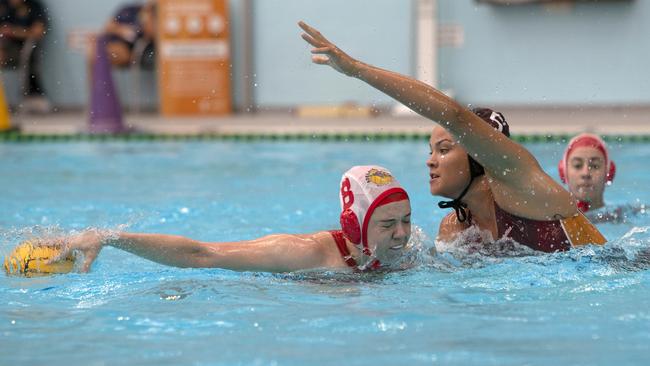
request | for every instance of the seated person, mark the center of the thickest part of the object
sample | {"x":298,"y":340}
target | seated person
{"x":587,"y":169}
{"x":131,"y":25}
{"x":375,"y":230}
{"x":23,"y":24}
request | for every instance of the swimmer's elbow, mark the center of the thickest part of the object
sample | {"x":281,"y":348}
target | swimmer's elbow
{"x":202,"y":255}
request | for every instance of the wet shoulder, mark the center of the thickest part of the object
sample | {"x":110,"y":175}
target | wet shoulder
{"x":327,"y":248}
{"x":450,"y":227}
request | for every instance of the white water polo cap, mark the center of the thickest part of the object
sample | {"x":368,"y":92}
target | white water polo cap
{"x":363,"y":189}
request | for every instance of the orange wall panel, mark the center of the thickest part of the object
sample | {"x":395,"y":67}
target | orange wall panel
{"x":194,"y":57}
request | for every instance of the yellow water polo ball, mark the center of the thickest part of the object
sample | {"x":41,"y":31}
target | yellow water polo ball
{"x":28,"y":259}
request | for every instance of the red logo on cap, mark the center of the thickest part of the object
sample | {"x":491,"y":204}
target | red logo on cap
{"x":346,"y":194}
{"x":349,"y":220}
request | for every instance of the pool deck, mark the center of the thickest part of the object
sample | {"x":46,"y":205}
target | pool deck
{"x":523,"y":121}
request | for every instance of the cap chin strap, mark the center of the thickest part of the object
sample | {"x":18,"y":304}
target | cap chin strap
{"x":476,"y":170}
{"x":460,"y":207}
{"x":371,"y":263}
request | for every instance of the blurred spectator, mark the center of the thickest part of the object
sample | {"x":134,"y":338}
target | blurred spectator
{"x":129,"y":36}
{"x":23,"y":24}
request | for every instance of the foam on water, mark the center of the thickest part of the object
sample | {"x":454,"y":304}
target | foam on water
{"x":496,"y":305}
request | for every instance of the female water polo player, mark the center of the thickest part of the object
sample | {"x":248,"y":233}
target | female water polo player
{"x":375,"y":230}
{"x":493,"y":182}
{"x":586,"y":169}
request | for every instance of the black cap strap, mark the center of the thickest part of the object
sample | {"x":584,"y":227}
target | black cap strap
{"x":476,"y":170}
{"x":460,"y":207}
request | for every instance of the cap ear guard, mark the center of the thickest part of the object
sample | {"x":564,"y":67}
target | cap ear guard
{"x":349,"y":220}
{"x":350,"y":226}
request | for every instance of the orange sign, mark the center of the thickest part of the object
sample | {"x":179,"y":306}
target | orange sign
{"x":194,"y":57}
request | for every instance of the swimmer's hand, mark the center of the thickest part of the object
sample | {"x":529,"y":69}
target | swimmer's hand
{"x":326,"y":52}
{"x":89,"y":243}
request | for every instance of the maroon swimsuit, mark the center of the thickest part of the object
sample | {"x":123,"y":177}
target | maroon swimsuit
{"x":545,"y":236}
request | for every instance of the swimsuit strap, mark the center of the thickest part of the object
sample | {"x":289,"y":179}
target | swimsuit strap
{"x":339,"y":238}
{"x":343,"y":248}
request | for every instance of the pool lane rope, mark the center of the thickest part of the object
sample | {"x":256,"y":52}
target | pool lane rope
{"x":19,"y":137}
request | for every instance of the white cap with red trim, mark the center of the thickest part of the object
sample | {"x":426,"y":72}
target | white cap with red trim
{"x":363,"y":189}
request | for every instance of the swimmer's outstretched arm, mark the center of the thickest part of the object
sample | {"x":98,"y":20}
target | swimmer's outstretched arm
{"x":475,"y":135}
{"x":273,"y":253}
{"x":515,"y":170}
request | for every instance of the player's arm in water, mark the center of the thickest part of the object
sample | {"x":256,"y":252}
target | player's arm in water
{"x":518,"y":183}
{"x":273,"y":253}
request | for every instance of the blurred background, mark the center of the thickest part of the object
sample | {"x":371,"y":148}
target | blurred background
{"x":563,"y":61}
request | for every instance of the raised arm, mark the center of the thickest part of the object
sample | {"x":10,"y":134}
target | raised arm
{"x":487,"y":145}
{"x":513,"y":169}
{"x":273,"y":253}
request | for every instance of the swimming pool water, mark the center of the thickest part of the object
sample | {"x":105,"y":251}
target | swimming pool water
{"x":587,"y":306}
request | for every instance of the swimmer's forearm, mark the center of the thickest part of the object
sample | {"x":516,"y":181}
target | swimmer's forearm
{"x":416,"y":95}
{"x":274,"y":253}
{"x":489,"y":147}
{"x":477,"y":137}
{"x":171,"y":250}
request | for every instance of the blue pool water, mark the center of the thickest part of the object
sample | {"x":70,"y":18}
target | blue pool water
{"x":590,"y":306}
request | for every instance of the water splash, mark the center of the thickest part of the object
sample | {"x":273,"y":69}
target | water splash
{"x":476,"y":249}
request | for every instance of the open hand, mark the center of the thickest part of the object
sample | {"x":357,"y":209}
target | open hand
{"x":326,"y":52}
